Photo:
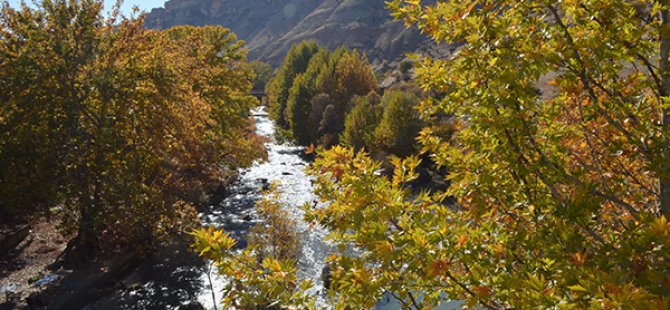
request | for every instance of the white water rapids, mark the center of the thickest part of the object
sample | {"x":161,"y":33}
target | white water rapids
{"x":285,"y":168}
{"x":177,"y":280}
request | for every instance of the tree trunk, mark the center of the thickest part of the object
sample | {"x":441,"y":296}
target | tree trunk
{"x":85,"y":246}
{"x":664,"y":182}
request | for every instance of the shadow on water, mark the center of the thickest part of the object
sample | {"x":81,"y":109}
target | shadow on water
{"x":168,"y":280}
{"x":173,"y":278}
{"x":176,"y":278}
{"x":236,"y":214}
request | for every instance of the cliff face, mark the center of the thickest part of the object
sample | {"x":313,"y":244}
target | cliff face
{"x":271,"y":27}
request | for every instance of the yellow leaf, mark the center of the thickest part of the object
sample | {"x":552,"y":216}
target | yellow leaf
{"x":384,"y":248}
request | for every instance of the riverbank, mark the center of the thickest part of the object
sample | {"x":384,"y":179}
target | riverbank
{"x":31,"y":260}
{"x":176,"y":281}
{"x":33,"y":276}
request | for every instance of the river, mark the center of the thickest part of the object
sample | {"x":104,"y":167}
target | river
{"x":177,"y":279}
{"x":286,"y":168}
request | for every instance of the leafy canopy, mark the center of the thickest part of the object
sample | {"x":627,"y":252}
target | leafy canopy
{"x":559,"y":165}
{"x":310,"y":101}
{"x":120,"y":127}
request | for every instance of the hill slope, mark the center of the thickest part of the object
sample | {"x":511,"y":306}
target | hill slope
{"x":270,"y":27}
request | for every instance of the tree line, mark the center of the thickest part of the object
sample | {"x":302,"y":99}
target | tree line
{"x":325,"y":98}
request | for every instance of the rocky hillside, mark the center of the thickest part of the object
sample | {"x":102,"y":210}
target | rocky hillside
{"x":270,"y":27}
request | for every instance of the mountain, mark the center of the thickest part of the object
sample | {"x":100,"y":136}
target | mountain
{"x":271,"y":27}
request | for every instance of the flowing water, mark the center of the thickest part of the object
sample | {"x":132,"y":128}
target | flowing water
{"x":285,"y":168}
{"x":179,"y":280}
{"x":174,"y":279}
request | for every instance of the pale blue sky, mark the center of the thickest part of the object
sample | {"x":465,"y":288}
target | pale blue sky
{"x":145,"y":5}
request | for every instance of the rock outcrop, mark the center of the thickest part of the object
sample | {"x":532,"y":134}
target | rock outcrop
{"x":271,"y":27}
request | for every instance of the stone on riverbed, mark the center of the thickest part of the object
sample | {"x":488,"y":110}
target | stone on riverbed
{"x":9,"y":291}
{"x":46,"y":280}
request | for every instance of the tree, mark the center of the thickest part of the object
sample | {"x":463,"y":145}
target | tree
{"x":361,"y":121}
{"x":353,"y":76}
{"x":121,"y":127}
{"x":344,"y":75}
{"x":400,"y":124}
{"x":334,"y":78}
{"x":278,"y":91}
{"x":330,"y":123}
{"x":319,"y":105}
{"x":299,"y":105}
{"x":298,"y":108}
{"x":263,"y":72}
{"x":557,"y":203}
{"x":559,"y":165}
{"x":326,"y":81}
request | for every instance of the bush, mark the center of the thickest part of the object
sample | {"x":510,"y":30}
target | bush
{"x":405,"y":67}
{"x":360,"y":123}
{"x":276,"y":236}
{"x":265,"y":273}
{"x":400,"y":124}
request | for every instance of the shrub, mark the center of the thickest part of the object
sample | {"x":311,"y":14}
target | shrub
{"x":400,"y":124}
{"x":360,"y":123}
{"x":405,"y":67}
{"x":265,"y":273}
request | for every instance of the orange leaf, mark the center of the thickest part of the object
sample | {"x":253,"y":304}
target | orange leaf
{"x":462,"y":239}
{"x":310,"y":149}
{"x":580,"y":258}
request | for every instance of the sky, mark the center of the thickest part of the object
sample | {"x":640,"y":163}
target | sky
{"x":145,"y":5}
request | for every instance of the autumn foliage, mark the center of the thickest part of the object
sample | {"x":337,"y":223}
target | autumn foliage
{"x":320,"y":93}
{"x":118,"y":128}
{"x":265,"y":273}
{"x":558,"y":164}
